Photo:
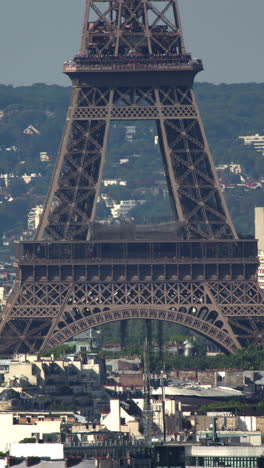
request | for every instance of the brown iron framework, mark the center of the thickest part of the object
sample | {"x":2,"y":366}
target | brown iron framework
{"x":133,"y":66}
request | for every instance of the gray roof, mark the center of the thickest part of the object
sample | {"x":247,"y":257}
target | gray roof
{"x":8,"y":394}
{"x":58,"y":464}
{"x":80,"y":418}
{"x":196,"y":390}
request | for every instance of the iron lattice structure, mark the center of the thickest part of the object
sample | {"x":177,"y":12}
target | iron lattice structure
{"x":133,"y":66}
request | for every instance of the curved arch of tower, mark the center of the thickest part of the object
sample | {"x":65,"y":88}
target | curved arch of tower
{"x":195,"y":271}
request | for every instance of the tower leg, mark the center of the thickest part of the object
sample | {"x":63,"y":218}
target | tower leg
{"x":70,"y":207}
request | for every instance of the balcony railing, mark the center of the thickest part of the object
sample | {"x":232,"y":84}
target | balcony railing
{"x":132,"y":63}
{"x":27,"y":260}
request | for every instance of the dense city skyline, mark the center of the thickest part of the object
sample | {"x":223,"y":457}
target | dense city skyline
{"x":36,"y":40}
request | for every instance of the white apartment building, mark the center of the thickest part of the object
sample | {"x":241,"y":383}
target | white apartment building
{"x":123,"y":161}
{"x":130,"y":132}
{"x":43,"y":156}
{"x":26,"y":177}
{"x":119,"y":420}
{"x":235,"y":168}
{"x":31,"y":130}
{"x":172,"y":409}
{"x":259,"y":234}
{"x":242,"y":455}
{"x":34,"y":217}
{"x":118,"y":210}
{"x":2,"y":296}
{"x":256,"y":140}
{"x":107,"y":182}
{"x":121,"y":208}
{"x":7,"y":178}
{"x":40,"y":450}
{"x":12,"y":432}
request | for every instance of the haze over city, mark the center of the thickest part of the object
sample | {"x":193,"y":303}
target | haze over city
{"x":36,"y":37}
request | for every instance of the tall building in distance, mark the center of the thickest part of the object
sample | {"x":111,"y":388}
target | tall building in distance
{"x":259,"y":234}
{"x":34,"y":217}
{"x":257,"y":141}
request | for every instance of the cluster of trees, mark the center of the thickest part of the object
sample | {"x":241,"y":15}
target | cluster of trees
{"x":59,"y":351}
{"x":251,"y":358}
{"x":39,"y":105}
{"x":135,"y":333}
{"x":242,"y":407}
{"x":228,"y":111}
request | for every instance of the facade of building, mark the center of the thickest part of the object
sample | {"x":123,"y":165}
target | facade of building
{"x":235,"y":168}
{"x":31,"y":371}
{"x":130,"y":133}
{"x":31,"y":130}
{"x":34,"y":217}
{"x":39,"y":450}
{"x":173,"y":415}
{"x":118,"y":419}
{"x":44,"y":157}
{"x":259,"y":234}
{"x":109,"y":182}
{"x":13,"y":429}
{"x":234,"y":456}
{"x":121,"y":209}
{"x":256,"y":140}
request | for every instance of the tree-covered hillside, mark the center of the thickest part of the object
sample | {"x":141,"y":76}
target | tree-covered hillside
{"x":228,"y":112}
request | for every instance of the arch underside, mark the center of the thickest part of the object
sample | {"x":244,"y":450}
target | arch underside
{"x":42,"y":314}
{"x":180,"y":315}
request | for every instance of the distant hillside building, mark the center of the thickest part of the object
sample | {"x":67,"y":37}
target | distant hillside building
{"x":130,"y":133}
{"x":123,"y":161}
{"x":256,"y":140}
{"x":43,"y":156}
{"x":28,"y":177}
{"x":34,"y":217}
{"x":31,"y":130}
{"x":120,"y":209}
{"x":107,"y":182}
{"x":235,"y":168}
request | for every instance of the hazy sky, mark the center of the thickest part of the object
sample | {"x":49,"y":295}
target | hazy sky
{"x":36,"y":36}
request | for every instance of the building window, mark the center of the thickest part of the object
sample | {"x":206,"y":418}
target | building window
{"x":227,"y":462}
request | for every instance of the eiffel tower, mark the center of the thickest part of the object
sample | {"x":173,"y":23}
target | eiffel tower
{"x":195,"y":271}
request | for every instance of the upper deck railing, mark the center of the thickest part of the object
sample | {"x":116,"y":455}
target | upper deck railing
{"x":130,"y":63}
{"x":245,"y":251}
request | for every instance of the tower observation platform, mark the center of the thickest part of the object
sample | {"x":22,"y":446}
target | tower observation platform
{"x":168,"y":67}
